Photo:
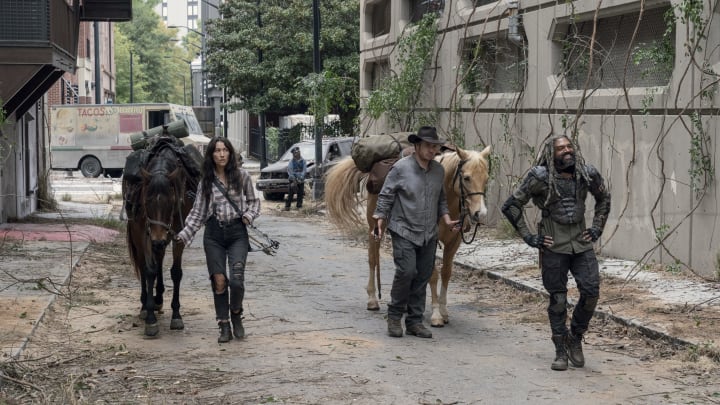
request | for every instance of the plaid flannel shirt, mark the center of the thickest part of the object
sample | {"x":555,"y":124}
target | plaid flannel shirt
{"x":219,"y":207}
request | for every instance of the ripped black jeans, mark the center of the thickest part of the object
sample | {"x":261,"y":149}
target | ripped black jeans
{"x":226,"y":244}
{"x":584,"y":268}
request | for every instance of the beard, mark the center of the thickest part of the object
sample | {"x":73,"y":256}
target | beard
{"x":565,"y":163}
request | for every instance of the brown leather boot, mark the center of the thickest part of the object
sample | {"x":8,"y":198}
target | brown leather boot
{"x":395,"y":327}
{"x":419,"y":330}
{"x":561,"y":356}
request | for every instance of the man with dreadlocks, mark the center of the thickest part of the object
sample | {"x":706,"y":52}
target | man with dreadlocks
{"x":558,"y":185}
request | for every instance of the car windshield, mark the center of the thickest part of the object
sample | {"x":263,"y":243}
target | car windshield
{"x":307,"y":151}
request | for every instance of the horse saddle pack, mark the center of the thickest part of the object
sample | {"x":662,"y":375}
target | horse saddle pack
{"x":380,"y":170}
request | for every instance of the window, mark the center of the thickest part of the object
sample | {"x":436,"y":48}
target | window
{"x":378,"y":71}
{"x":493,"y":65}
{"x":192,"y":22}
{"x":480,"y":3}
{"x":652,"y":52}
{"x":379,"y":15}
{"x":418,"y":8}
{"x":192,"y":9}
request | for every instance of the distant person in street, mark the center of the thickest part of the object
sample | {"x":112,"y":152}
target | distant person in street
{"x":225,"y":203}
{"x":411,"y":201}
{"x":239,"y":158}
{"x":558,"y":186}
{"x":297,"y":170}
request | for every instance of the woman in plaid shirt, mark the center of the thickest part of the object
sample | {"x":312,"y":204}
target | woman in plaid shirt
{"x":225,"y":202}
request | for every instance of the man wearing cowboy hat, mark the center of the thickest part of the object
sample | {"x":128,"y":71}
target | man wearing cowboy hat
{"x":411,"y":201}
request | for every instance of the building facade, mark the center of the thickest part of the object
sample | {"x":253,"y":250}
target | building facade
{"x":635,"y":83}
{"x":39,"y":46}
{"x":191,"y":16}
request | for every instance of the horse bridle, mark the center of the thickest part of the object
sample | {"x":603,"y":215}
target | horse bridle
{"x":168,"y":227}
{"x":464,"y":195}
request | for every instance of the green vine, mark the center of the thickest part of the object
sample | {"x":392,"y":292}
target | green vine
{"x":398,"y":96}
{"x":658,"y":56}
{"x":701,"y":169}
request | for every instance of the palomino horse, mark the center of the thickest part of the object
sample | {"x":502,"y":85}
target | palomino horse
{"x":158,"y":205}
{"x":466,"y":176}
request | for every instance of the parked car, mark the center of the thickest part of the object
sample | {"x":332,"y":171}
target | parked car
{"x":273,"y":181}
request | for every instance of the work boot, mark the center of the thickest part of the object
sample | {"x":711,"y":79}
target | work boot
{"x":238,"y":329}
{"x":573,"y":343}
{"x":561,"y":356}
{"x":395,"y":327}
{"x":287,"y":208}
{"x":419,"y":330}
{"x":225,"y":335}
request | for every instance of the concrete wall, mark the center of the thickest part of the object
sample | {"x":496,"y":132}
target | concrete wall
{"x":22,"y":163}
{"x":640,"y":139}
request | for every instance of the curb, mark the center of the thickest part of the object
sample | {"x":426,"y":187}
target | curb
{"x":632,"y":324}
{"x":15,"y":353}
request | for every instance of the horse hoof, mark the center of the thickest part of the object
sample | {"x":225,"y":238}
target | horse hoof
{"x":152,"y":330}
{"x":177,"y":324}
{"x":373,"y":307}
{"x":143,"y":314}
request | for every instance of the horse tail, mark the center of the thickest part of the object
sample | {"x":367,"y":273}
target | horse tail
{"x":343,"y":183}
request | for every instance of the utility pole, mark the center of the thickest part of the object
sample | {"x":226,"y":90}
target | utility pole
{"x":98,"y":78}
{"x":318,"y":184}
{"x":261,"y":116}
{"x":132,"y":94}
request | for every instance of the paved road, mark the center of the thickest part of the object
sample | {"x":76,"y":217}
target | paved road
{"x":311,"y":341}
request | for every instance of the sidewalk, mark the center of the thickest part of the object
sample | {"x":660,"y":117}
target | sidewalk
{"x":36,"y":261}
{"x":661,"y":305}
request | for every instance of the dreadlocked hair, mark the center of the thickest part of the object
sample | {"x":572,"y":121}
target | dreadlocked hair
{"x":547,"y":158}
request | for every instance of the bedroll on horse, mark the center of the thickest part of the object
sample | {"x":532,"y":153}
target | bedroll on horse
{"x":376,"y":154}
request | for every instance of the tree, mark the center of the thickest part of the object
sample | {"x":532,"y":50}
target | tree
{"x":158,"y":67}
{"x":261,"y":51}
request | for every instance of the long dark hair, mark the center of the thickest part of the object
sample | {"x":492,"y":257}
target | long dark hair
{"x":232,"y":171}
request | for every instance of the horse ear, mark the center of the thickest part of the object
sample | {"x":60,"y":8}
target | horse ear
{"x":486,"y":152}
{"x":462,"y":153}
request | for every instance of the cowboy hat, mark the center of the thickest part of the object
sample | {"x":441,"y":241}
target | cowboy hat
{"x":427,"y":134}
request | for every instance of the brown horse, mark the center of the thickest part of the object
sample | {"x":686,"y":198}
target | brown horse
{"x":466,"y":176}
{"x":157,"y":207}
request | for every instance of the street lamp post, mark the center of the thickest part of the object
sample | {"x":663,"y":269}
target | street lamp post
{"x":203,"y":89}
{"x":132,"y":87}
{"x":183,"y":76}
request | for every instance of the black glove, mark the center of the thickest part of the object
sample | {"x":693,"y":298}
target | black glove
{"x":594,"y":233}
{"x":535,"y":241}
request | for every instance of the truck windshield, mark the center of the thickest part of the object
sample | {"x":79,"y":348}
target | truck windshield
{"x":192,"y":122}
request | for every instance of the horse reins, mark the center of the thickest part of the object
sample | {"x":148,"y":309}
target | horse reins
{"x":462,"y":204}
{"x":168,"y":227}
